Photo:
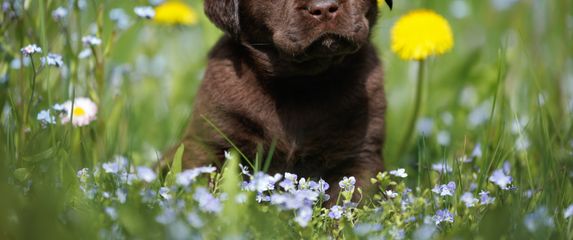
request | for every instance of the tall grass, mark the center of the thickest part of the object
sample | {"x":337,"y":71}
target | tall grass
{"x":506,"y":90}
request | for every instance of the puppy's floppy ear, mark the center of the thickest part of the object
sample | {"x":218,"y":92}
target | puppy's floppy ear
{"x":224,"y":14}
{"x":389,"y":2}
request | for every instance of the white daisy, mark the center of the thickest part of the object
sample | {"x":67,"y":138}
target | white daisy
{"x":83,"y":113}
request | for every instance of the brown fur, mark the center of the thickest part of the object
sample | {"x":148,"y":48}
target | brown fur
{"x":312,"y":85}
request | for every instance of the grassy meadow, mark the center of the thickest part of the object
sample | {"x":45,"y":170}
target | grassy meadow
{"x":491,"y":156}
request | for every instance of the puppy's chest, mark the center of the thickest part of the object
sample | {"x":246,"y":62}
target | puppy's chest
{"x":304,"y":123}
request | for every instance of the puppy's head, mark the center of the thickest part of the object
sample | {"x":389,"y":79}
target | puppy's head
{"x":299,"y":30}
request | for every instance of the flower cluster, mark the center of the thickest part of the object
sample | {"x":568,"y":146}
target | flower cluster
{"x":445,"y":189}
{"x":30,"y":50}
{"x":80,"y":112}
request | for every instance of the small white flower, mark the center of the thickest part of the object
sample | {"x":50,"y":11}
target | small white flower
{"x":120,"y":18}
{"x":83,"y":113}
{"x":391,"y":194}
{"x":146,"y":12}
{"x":400,"y":172}
{"x":347,"y":183}
{"x":241,"y":198}
{"x":522,"y":143}
{"x":442,"y":167}
{"x":443,"y":138}
{"x":480,"y":115}
{"x":447,"y":118}
{"x":45,"y":117}
{"x":445,"y":189}
{"x":119,"y":164}
{"x":485,"y":199}
{"x":518,"y":124}
{"x":59,"y":107}
{"x":164,"y":193}
{"x":188,"y":176}
{"x":477,"y":151}
{"x":425,"y":126}
{"x":53,"y":60}
{"x":335,"y":212}
{"x":30,"y":49}
{"x":568,"y":212}
{"x":121,"y":195}
{"x":228,"y":155}
{"x":469,"y":199}
{"x":499,"y":178}
{"x":91,"y":40}
{"x":59,"y":13}
{"x":146,"y":174}
{"x":111,"y":212}
{"x":85,"y":53}
{"x":290,"y":176}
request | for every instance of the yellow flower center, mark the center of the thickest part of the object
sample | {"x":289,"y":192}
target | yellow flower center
{"x":420,"y":34}
{"x":175,"y":12}
{"x":78,"y":112}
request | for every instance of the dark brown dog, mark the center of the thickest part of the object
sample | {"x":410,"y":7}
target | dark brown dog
{"x":301,"y":73}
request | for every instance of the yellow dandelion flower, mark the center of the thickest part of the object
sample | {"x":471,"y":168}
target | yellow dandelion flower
{"x":421,"y":33}
{"x":175,"y":13}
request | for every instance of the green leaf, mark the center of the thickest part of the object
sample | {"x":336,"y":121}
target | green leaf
{"x":176,"y":166}
{"x":22,"y":174}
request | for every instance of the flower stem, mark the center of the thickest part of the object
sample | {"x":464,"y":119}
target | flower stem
{"x":417,"y":106}
{"x":33,"y":88}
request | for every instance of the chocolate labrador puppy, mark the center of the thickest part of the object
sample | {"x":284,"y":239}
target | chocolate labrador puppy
{"x":299,"y":75}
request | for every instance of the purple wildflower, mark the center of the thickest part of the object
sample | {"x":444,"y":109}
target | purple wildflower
{"x":91,"y":40}
{"x":146,"y":174}
{"x":443,"y":216}
{"x":445,"y":189}
{"x":347,"y":184}
{"x":485,"y":198}
{"x":207,"y":202}
{"x":188,"y":176}
{"x":46,"y":118}
{"x":119,"y":164}
{"x":262,"y":198}
{"x":30,"y":49}
{"x":335,"y":212}
{"x":469,"y":200}
{"x":59,"y":13}
{"x":499,"y":178}
{"x":145,"y":12}
{"x":53,"y":60}
{"x":400,"y":172}
{"x":442,"y":167}
{"x":303,"y":216}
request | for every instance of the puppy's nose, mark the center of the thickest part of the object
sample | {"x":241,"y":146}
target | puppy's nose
{"x":323,"y":9}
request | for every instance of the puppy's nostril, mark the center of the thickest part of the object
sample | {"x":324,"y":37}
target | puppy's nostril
{"x":323,"y":9}
{"x":333,"y":9}
{"x":316,"y":12}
